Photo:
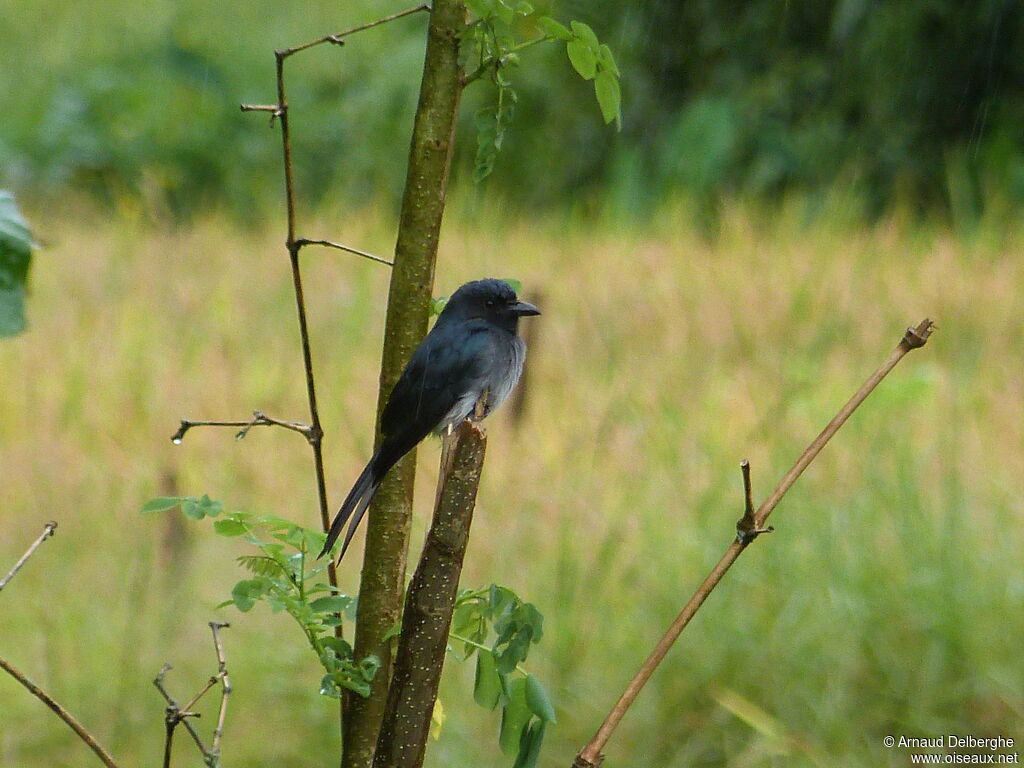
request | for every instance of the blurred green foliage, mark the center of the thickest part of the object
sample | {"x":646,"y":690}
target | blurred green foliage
{"x":919,"y":101}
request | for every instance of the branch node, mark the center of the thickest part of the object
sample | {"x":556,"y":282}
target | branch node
{"x":747,"y":528}
{"x":918,"y":337}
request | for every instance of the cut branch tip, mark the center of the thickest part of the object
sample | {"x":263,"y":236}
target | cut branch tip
{"x":918,"y":336}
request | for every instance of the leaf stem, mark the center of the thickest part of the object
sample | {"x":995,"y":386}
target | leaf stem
{"x":480,"y":647}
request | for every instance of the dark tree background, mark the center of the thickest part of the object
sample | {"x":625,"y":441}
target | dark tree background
{"x":898,"y":101}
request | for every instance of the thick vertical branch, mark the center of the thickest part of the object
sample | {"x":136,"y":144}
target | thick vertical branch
{"x":412,"y":280}
{"x":429,"y":606}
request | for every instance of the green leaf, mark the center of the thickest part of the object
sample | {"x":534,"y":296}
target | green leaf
{"x":585,"y":34}
{"x":328,"y":687}
{"x":529,"y":746}
{"x":538,"y":701}
{"x":436,"y":305}
{"x":230,"y":527}
{"x":607,"y":60}
{"x":15,"y":255}
{"x":553,"y":29}
{"x":504,"y":14}
{"x":523,"y":8}
{"x":160,"y":504}
{"x":332,"y":604}
{"x":339,"y":645}
{"x":582,"y":58}
{"x":515,"y":716}
{"x":197,"y":509}
{"x":482,"y":8}
{"x":261,"y":565}
{"x":606,"y":86}
{"x":246,"y":592}
{"x":515,"y":285}
{"x":487,"y":683}
{"x":369,"y":667}
{"x":394,"y":631}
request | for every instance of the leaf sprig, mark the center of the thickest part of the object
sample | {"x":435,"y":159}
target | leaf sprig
{"x":526,"y":708}
{"x":493,"y":40}
{"x":282,"y":577}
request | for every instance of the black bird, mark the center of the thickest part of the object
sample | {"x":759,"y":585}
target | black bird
{"x":471,"y":353}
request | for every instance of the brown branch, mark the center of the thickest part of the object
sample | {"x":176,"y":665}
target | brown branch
{"x":302,"y":241}
{"x":222,"y":673}
{"x":315,"y":433}
{"x":48,"y":530}
{"x":336,"y":39}
{"x":174,"y":715}
{"x":62,"y":713}
{"x":179,"y":715}
{"x":747,"y":530}
{"x":430,"y":603}
{"x":259,"y":419}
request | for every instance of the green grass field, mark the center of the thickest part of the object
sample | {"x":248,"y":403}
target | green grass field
{"x":889,"y":600}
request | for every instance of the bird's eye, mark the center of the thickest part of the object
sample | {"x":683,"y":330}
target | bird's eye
{"x":490,"y":303}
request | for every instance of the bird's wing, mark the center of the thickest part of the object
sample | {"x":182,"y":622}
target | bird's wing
{"x":446,"y":369}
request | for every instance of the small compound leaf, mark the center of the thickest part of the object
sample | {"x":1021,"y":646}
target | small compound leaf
{"x":332,"y":604}
{"x":329,"y":688}
{"x":607,"y":60}
{"x":230,"y":527}
{"x":538,"y":701}
{"x":529,"y":747}
{"x":515,"y":716}
{"x":340,"y":646}
{"x":487,"y":684}
{"x":606,"y":86}
{"x":436,"y":305}
{"x":582,"y":58}
{"x":192,"y":509}
{"x":160,"y":504}
{"x":585,"y":34}
{"x":246,"y":592}
{"x":482,"y":8}
{"x":504,"y":14}
{"x":210,"y":507}
{"x":369,"y":667}
{"x":553,"y":29}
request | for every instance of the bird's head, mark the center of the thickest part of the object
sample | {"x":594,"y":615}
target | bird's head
{"x":490,"y":299}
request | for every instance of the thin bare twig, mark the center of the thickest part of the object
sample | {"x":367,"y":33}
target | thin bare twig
{"x":315,"y":433}
{"x":336,"y":39}
{"x":179,"y":715}
{"x":175,"y":715}
{"x":222,"y":673}
{"x":62,"y":713}
{"x":259,"y":419}
{"x":48,"y":530}
{"x":748,"y":529}
{"x":302,"y":241}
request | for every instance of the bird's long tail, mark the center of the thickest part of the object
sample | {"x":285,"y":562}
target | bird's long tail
{"x":361,"y":495}
{"x":354,"y":506}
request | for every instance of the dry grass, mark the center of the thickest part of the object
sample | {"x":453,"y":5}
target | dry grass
{"x":889,"y":601}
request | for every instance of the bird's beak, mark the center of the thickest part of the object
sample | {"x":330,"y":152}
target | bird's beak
{"x":523,"y":308}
